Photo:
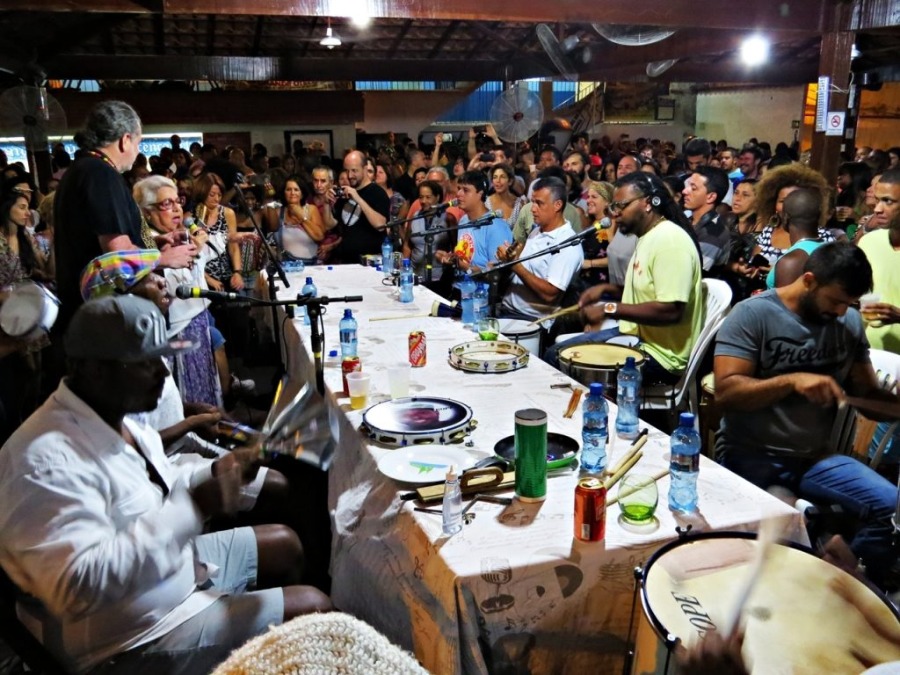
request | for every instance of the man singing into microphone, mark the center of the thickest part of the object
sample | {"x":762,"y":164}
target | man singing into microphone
{"x":538,"y":284}
{"x":431,"y":217}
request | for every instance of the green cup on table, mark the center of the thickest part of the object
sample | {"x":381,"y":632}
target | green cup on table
{"x":638,"y":497}
{"x":488,"y":328}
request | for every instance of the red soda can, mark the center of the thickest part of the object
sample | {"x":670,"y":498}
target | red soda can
{"x":418,"y":349}
{"x":350,"y":364}
{"x":590,"y":510}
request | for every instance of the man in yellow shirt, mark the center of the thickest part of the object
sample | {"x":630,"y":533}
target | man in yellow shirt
{"x":662,"y":300}
{"x":882,"y":248}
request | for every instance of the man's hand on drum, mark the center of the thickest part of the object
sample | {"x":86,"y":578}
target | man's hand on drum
{"x":822,"y":390}
{"x":507,"y":252}
{"x":713,"y":655}
{"x":597,"y":293}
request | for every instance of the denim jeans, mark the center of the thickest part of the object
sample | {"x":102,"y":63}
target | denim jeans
{"x":840,"y":480}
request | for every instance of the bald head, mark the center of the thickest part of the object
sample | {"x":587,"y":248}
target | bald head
{"x":355,"y":166}
{"x":803,"y":208}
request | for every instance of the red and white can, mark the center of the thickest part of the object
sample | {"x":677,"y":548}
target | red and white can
{"x":418,"y":349}
{"x":349,"y":364}
{"x":590,"y":510}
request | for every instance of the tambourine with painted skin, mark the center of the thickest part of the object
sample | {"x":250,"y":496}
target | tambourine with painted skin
{"x":488,"y":356}
{"x":417,"y":420}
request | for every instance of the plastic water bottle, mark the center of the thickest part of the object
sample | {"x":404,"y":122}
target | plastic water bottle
{"x":480,"y":302}
{"x":349,"y":340}
{"x":387,"y":257}
{"x":628,"y":398}
{"x":684,"y":465}
{"x":452,"y":506}
{"x":594,"y":430}
{"x":309,"y":288}
{"x":467,"y":293}
{"x":406,"y":282}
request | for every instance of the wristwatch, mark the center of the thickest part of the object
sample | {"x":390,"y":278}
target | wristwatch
{"x":610,"y":307}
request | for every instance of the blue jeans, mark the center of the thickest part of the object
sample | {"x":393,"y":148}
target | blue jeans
{"x":653,"y":372}
{"x":840,"y":480}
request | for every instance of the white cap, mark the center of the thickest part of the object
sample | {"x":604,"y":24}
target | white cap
{"x":451,"y":472}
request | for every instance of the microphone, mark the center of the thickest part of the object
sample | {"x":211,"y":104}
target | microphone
{"x":485,"y":219}
{"x":187,"y":292}
{"x":439,"y":208}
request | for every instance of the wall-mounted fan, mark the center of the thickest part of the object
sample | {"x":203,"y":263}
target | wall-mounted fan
{"x":564,"y":53}
{"x":31,"y":112}
{"x":632,"y":35}
{"x":516,"y":114}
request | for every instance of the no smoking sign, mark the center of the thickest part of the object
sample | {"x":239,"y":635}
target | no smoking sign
{"x":834,"y":124}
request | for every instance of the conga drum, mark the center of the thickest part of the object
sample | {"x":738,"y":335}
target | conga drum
{"x":597,"y":362}
{"x":803,"y":616}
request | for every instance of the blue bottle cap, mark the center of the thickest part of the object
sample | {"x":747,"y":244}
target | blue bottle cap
{"x":348,"y":313}
{"x":330,"y":268}
{"x":596,"y":389}
{"x":629,"y":362}
{"x":309,"y":280}
{"x":332,"y":353}
{"x":686,"y":419}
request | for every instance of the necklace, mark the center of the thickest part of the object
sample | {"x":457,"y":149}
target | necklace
{"x":104,"y":157}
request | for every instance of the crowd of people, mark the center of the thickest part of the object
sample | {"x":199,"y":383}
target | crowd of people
{"x":107,"y":478}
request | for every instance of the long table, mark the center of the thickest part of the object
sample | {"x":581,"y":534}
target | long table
{"x":514,"y":591}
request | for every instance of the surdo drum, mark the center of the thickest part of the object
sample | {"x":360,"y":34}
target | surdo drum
{"x":597,"y":362}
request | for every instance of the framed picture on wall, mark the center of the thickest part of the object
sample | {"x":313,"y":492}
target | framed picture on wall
{"x":665,"y":108}
{"x":325,"y":138}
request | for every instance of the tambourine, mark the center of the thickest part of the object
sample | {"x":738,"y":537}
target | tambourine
{"x":416,"y":420}
{"x":488,"y":356}
{"x":29,"y":311}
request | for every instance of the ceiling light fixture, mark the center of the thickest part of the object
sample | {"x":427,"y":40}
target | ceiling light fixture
{"x":755,"y":50}
{"x":330,"y":40}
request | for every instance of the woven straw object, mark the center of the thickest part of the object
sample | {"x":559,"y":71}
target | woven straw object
{"x":320,"y":644}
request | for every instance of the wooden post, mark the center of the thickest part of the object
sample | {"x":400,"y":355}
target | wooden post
{"x":834,"y":63}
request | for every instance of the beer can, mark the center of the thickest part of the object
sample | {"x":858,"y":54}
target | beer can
{"x":531,"y":455}
{"x":350,"y":364}
{"x":418,"y":349}
{"x":590,"y":510}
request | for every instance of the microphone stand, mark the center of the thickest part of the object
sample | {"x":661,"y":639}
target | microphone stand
{"x":273,"y":266}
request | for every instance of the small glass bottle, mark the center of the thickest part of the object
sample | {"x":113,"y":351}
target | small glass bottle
{"x":452,"y":506}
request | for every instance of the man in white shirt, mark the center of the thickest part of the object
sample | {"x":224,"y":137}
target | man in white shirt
{"x":103,"y":535}
{"x":538,"y":284}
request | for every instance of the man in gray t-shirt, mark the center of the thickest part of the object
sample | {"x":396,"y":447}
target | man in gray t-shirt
{"x":784,"y":360}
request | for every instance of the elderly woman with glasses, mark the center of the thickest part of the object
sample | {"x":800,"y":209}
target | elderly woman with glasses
{"x":197,"y":372}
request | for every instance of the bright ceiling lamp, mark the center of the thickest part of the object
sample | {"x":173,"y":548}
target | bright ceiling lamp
{"x":330,"y":40}
{"x":755,"y":50}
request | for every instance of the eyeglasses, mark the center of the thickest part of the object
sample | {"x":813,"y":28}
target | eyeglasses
{"x":165,"y":204}
{"x":618,"y":207}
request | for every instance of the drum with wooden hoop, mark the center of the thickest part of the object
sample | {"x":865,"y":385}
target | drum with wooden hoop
{"x":488,"y":356}
{"x":418,"y":419}
{"x":29,"y":311}
{"x":598,"y":362}
{"x":803,"y":616}
{"x":523,"y":333}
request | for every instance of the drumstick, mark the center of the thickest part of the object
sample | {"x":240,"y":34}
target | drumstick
{"x":635,"y":446}
{"x":617,"y":476}
{"x":404,"y":316}
{"x":769,"y":531}
{"x":656,"y":476}
{"x":567,"y":310}
{"x":573,"y":403}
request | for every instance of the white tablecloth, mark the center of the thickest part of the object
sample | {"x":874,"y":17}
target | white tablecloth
{"x":514,"y":591}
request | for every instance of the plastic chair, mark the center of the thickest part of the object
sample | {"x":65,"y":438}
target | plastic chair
{"x":887,"y":367}
{"x":684,"y":395}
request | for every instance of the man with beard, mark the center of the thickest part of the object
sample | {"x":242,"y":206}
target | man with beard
{"x":362,"y":209}
{"x":662,"y":300}
{"x":784,"y":361}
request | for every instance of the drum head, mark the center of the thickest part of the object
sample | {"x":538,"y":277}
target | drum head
{"x":600,"y":355}
{"x":412,"y":420}
{"x":561,"y":450}
{"x":28,"y":307}
{"x":803,"y":616}
{"x":519,"y":328}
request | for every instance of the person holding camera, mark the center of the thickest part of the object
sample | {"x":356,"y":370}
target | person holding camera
{"x":362,"y":210}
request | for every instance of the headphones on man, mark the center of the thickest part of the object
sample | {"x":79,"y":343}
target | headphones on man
{"x":651,"y":190}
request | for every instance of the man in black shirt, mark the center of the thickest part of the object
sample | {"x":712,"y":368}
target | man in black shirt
{"x":94,"y":210}
{"x":361,"y":211}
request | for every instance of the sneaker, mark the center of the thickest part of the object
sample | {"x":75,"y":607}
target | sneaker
{"x":241,"y":387}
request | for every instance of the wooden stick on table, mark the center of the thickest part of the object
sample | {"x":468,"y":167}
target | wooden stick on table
{"x":625,"y":468}
{"x":403,"y":316}
{"x":656,"y":476}
{"x":632,"y":451}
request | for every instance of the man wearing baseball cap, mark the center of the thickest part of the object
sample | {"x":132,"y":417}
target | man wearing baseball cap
{"x":103,"y":535}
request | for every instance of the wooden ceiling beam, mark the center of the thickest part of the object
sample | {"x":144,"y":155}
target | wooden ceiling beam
{"x":796,"y":15}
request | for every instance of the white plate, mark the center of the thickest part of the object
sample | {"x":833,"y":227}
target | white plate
{"x":424,"y":463}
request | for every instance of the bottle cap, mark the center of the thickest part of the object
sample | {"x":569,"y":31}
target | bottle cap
{"x":348,"y":313}
{"x":629,"y":362}
{"x":686,"y":419}
{"x":309,"y":280}
{"x":332,"y":353}
{"x":596,"y":389}
{"x":451,"y":472}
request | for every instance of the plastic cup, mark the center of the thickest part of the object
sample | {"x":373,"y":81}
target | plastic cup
{"x":865,"y":301}
{"x":638,"y":497}
{"x":398,"y":379}
{"x":358,"y":386}
{"x":487,"y":328}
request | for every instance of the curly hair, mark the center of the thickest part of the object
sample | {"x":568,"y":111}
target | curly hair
{"x":792,"y":175}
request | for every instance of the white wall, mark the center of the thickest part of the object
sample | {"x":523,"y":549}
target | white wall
{"x":766,"y":113}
